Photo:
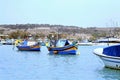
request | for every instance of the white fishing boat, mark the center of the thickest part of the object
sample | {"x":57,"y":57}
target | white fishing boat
{"x":109,"y":55}
{"x":107,"y":41}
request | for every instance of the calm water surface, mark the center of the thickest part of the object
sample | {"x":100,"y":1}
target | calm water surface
{"x":22,"y":65}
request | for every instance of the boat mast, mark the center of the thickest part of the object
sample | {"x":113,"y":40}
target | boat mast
{"x":57,"y":33}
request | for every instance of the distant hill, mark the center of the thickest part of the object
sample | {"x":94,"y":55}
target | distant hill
{"x":74,"y":30}
{"x":24,"y":26}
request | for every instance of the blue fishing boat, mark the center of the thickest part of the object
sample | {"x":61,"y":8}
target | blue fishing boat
{"x":70,"y":49}
{"x":28,"y":46}
{"x":66,"y":49}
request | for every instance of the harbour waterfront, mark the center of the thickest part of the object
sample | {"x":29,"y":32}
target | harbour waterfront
{"x":30,"y":65}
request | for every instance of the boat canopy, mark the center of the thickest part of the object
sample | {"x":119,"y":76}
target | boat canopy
{"x":112,"y":51}
{"x":62,"y":43}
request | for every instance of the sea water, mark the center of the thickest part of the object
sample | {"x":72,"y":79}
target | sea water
{"x":29,"y":65}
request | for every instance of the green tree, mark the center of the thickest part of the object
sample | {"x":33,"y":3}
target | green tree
{"x":17,"y":34}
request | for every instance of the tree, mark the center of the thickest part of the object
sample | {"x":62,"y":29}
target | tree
{"x":17,"y":34}
{"x":1,"y":31}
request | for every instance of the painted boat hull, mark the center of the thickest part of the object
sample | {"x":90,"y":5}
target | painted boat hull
{"x":67,"y":52}
{"x":70,"y":49}
{"x":29,"y":48}
{"x":109,"y":61}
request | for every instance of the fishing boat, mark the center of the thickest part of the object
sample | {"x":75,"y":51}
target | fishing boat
{"x":109,"y":55}
{"x":108,"y":41}
{"x":28,"y":46}
{"x":64,"y":50}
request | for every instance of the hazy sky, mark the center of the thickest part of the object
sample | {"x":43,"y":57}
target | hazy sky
{"x":83,"y":13}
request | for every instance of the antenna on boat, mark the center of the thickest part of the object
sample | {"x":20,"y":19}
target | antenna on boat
{"x":58,"y":33}
{"x":108,"y":41}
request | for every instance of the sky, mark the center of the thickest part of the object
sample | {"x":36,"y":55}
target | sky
{"x":82,"y":13}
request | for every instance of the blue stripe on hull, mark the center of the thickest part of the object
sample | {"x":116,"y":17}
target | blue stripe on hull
{"x":72,"y":52}
{"x":111,"y":61}
{"x":67,"y":52}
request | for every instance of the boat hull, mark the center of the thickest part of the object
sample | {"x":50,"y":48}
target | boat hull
{"x":109,"y":61}
{"x":29,"y":48}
